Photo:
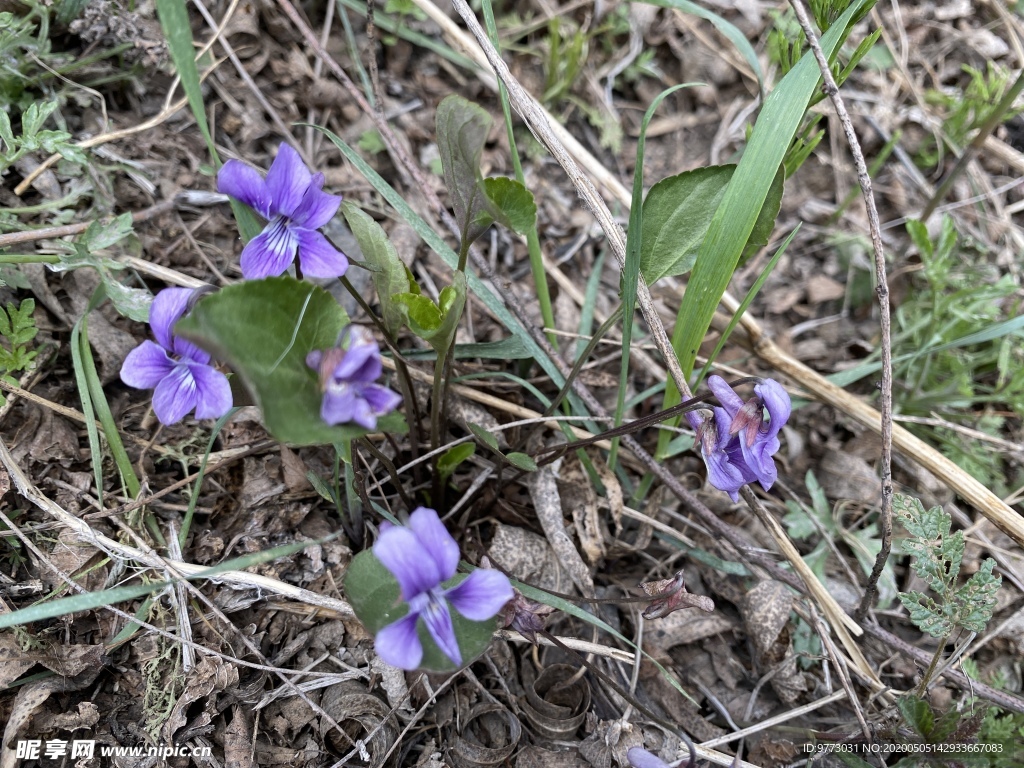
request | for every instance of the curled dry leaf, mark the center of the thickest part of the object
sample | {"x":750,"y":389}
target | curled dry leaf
{"x":81,"y":664}
{"x":489,"y":736}
{"x":670,"y":595}
{"x":527,"y":557}
{"x":556,"y":701}
{"x":360,"y":713}
{"x":766,"y":610}
{"x":211,"y":674}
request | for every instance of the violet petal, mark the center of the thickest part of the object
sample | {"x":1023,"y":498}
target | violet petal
{"x":146,"y":366}
{"x":175,"y":396}
{"x":435,"y":540}
{"x":245,"y":184}
{"x":269,"y":253}
{"x":381,"y":399}
{"x":317,"y":257}
{"x":361,"y":361}
{"x":401,"y":552}
{"x":317,"y":207}
{"x":398,"y":644}
{"x":339,"y":405}
{"x":287,"y":180}
{"x":213,"y":391}
{"x":482,"y":595}
{"x":167,"y":308}
{"x":777,"y":401}
{"x":438,"y":619}
{"x":725,"y":394}
{"x":641,"y":758}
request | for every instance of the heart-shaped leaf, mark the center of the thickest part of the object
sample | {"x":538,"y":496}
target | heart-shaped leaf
{"x":678,"y":211}
{"x":375,"y":596}
{"x":264,"y":329}
{"x":514,"y":203}
{"x":462,"y":128}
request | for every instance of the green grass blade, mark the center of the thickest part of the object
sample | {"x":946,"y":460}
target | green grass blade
{"x":82,"y":384}
{"x":178,"y":31}
{"x":532,"y":238}
{"x":734,"y":220}
{"x":731,"y":32}
{"x":631,"y":269}
{"x":102,"y":407}
{"x":186,"y":524}
{"x":745,"y":304}
{"x":89,"y":600}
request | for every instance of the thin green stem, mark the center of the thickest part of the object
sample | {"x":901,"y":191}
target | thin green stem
{"x":931,"y":667}
{"x":532,"y":239}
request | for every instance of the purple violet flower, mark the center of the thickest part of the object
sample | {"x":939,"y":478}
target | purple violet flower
{"x":179,"y":371}
{"x":736,"y":445}
{"x":641,"y":758}
{"x":347,"y":379}
{"x":295,"y":206}
{"x":421,"y":556}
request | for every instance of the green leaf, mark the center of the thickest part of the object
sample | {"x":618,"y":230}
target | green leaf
{"x":485,"y":437}
{"x":917,"y":713}
{"x":678,"y":212}
{"x":462,"y":128}
{"x":388,"y":271}
{"x":264,"y":329}
{"x":736,"y":216}
{"x":375,"y":597}
{"x":178,"y":31}
{"x":513,"y":201}
{"x":451,"y":459}
{"x":729,"y":30}
{"x":522,"y":461}
{"x":976,"y":600}
{"x":435,"y":323}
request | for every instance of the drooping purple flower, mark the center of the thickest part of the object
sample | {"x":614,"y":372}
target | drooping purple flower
{"x":292,"y":200}
{"x":178,"y":371}
{"x":736,"y":444}
{"x":421,"y":556}
{"x":347,"y":379}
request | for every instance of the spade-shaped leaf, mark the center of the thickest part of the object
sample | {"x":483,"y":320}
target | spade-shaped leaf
{"x":264,"y":329}
{"x":462,"y":128}
{"x":435,"y":323}
{"x":512,"y":202}
{"x":678,"y":211}
{"x":389,"y":272}
{"x":375,"y":596}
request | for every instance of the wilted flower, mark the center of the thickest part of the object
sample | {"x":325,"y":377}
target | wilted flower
{"x":526,"y":616}
{"x":736,"y":444}
{"x":421,"y":556}
{"x":347,"y":379}
{"x":757,"y":441}
{"x":295,"y":206}
{"x":670,"y":595}
{"x":178,"y":371}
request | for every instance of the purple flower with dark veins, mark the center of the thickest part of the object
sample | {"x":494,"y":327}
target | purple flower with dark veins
{"x":421,"y":556}
{"x":758,"y":442}
{"x":295,"y":206}
{"x":178,"y":371}
{"x":347,"y":379}
{"x":736,"y":444}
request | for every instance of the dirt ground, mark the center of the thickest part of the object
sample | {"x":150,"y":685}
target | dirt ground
{"x":270,"y":666}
